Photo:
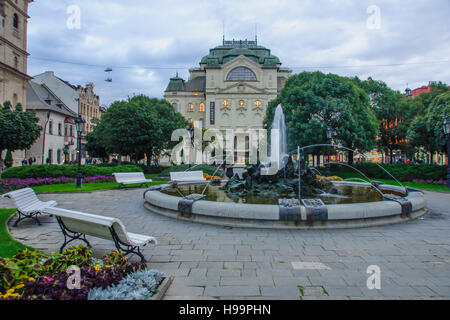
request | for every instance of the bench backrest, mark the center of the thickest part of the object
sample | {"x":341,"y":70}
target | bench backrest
{"x":90,"y":224}
{"x":23,"y":198}
{"x":127,"y":176}
{"x":187,"y":176}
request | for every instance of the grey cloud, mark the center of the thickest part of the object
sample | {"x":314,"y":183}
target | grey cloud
{"x":177,"y":34}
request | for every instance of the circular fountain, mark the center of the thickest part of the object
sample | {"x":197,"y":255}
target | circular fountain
{"x":291,"y":197}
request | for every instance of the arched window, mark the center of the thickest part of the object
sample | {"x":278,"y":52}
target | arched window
{"x":175,"y":107}
{"x":16,"y":21}
{"x":241,"y":74}
{"x":190,"y":107}
{"x":201,"y":107}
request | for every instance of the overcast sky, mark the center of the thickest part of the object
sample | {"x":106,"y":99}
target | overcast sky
{"x":147,"y":42}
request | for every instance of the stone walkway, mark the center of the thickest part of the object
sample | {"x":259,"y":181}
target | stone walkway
{"x":211,"y":262}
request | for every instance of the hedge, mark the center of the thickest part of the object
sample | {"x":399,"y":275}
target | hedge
{"x":401,"y":171}
{"x":203,"y":167}
{"x":54,"y":171}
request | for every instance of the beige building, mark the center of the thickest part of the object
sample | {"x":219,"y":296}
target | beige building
{"x":79,"y":99}
{"x":89,"y":105}
{"x":57,"y":142}
{"x":13,"y":55}
{"x":232,"y":87}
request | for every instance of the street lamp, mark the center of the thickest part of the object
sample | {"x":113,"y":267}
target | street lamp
{"x":191,"y":135}
{"x":329,"y":136}
{"x":446,"y":125}
{"x":79,"y":123}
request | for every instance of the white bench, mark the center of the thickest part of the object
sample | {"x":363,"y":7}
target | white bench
{"x":76,"y":225}
{"x":28,"y":205}
{"x":187,"y":176}
{"x":124,"y":178}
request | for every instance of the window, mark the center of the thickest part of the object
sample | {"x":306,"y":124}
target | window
{"x":225,"y":103}
{"x":201,"y":123}
{"x":241,"y":103}
{"x":65,"y":131}
{"x":16,"y":62}
{"x":50,"y":128}
{"x":191,"y":121}
{"x":16,"y":21}
{"x":175,"y":107}
{"x":258,"y":103}
{"x":201,"y":107}
{"x":58,"y":156}
{"x":71,"y":131}
{"x":59,"y":129}
{"x":50,"y":156}
{"x":190,"y":107}
{"x":241,"y":74}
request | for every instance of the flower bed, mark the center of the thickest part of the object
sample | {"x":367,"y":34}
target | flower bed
{"x":32,"y":275}
{"x":10,"y":184}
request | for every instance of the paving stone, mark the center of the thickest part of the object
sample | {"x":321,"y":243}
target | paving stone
{"x":414,"y":257}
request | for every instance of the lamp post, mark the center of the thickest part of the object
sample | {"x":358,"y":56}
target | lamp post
{"x":329,"y":136}
{"x":43,"y":136}
{"x":79,"y":122}
{"x":191,"y":135}
{"x":446,"y":126}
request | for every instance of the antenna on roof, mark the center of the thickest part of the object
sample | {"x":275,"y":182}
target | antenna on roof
{"x":223,"y":32}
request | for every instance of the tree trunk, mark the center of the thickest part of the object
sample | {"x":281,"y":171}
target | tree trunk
{"x":119,"y":160}
{"x":391,"y":158}
{"x":350,"y":158}
{"x":149,"y":159}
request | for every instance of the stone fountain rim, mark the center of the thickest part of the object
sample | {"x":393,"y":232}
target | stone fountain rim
{"x":232,"y":214}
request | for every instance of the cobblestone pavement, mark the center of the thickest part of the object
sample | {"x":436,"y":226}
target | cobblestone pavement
{"x":211,"y":262}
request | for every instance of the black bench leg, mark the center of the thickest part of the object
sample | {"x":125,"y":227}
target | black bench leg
{"x":22,"y":216}
{"x":68,"y":234}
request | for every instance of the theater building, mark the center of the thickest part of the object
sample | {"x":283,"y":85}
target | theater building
{"x":231,"y":88}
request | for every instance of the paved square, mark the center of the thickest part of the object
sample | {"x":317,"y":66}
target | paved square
{"x":211,"y":262}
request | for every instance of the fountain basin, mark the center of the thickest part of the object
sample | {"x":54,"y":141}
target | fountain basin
{"x":408,"y":207}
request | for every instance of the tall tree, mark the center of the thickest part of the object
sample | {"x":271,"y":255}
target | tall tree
{"x":314,"y":101}
{"x":18,"y":129}
{"x":393,"y":113}
{"x":137,"y":127}
{"x":426,"y":130}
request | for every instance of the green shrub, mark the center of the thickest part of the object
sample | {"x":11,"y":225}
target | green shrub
{"x":70,"y":171}
{"x":8,"y":159}
{"x":203,"y":167}
{"x":401,"y":171}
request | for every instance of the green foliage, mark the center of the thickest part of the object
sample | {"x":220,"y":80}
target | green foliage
{"x":401,"y":171}
{"x":8,"y":246}
{"x":393,"y":112}
{"x":203,"y":167}
{"x":426,"y":129}
{"x":8,"y":159}
{"x":313,"y":101}
{"x":18,"y":129}
{"x":53,"y":171}
{"x":137,"y":127}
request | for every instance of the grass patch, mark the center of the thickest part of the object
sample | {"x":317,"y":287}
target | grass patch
{"x":301,"y":289}
{"x":71,"y":187}
{"x":422,"y":186}
{"x":8,"y":246}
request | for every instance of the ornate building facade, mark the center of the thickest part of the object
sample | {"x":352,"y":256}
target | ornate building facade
{"x":13,"y":56}
{"x":231,"y":88}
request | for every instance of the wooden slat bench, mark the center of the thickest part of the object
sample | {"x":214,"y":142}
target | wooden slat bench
{"x":187,"y":176}
{"x":28,"y":205}
{"x":125,"y":178}
{"x":76,"y":225}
